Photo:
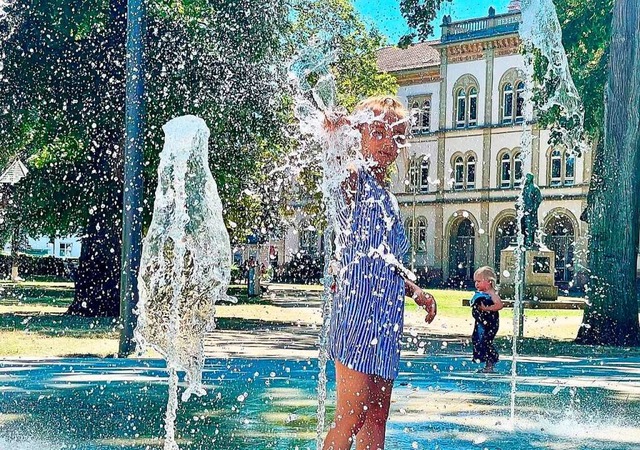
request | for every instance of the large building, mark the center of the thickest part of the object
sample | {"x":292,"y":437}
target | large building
{"x":458,"y":184}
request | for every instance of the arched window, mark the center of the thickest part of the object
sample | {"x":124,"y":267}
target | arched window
{"x":418,"y":175}
{"x":424,"y":175}
{"x":464,"y":171}
{"x":505,"y":171}
{"x":458,"y":168}
{"x":556,"y":168}
{"x":471,"y":172}
{"x":417,"y":234}
{"x":562,"y":168}
{"x":510,"y":168}
{"x":465,"y":101}
{"x":507,"y":102}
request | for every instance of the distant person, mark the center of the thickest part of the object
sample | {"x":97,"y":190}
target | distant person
{"x":251,"y":277}
{"x":485,"y":305}
{"x":273,"y":256}
{"x":368,"y":302}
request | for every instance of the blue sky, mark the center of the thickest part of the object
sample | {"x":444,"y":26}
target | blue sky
{"x":385,"y":14}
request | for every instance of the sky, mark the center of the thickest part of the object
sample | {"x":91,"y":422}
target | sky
{"x":385,"y":14}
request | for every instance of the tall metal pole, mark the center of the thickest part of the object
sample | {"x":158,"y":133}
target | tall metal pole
{"x":415,"y":165}
{"x":133,"y":180}
{"x":414,"y":238}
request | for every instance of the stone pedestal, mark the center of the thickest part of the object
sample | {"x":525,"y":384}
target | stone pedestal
{"x":539,"y":270}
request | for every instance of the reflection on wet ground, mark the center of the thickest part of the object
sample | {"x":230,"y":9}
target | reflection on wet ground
{"x":269,"y":403}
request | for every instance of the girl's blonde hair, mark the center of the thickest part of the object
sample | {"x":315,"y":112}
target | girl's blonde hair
{"x":487,"y":273}
{"x":384,"y":103}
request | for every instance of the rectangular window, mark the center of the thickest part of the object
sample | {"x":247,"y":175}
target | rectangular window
{"x":66,"y":250}
{"x":570,"y":171}
{"x":462,"y":111}
{"x":473,"y":111}
{"x":505,"y":174}
{"x":508,"y":108}
{"x":556,"y":171}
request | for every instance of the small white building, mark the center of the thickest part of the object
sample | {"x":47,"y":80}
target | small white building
{"x":63,"y":247}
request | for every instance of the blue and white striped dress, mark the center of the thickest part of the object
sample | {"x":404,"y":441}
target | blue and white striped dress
{"x":368,"y":307}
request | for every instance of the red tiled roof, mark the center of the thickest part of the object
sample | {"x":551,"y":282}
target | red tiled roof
{"x":418,"y":56}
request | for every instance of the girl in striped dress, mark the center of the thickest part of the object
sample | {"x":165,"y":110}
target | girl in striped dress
{"x":368,"y":305}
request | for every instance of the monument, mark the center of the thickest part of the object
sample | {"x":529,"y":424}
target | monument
{"x":538,"y":261}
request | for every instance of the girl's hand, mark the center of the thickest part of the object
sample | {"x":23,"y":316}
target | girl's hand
{"x":426,"y":301}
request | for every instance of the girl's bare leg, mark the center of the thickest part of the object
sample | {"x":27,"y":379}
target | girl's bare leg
{"x":372,"y":434}
{"x":353,"y":398}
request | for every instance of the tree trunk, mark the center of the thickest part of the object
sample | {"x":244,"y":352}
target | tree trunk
{"x":15,"y":248}
{"x":612,"y":315}
{"x":97,"y":284}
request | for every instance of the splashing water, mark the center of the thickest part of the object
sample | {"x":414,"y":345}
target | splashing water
{"x":3,"y":6}
{"x":338,"y":154}
{"x":310,"y":112}
{"x":540,"y":30}
{"x":186,"y":261}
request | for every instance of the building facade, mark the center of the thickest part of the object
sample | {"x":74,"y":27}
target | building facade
{"x":458,"y":183}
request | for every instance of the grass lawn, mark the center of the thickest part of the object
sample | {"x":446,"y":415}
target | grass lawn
{"x":32,"y":323}
{"x":450,"y":305}
{"x":32,"y":320}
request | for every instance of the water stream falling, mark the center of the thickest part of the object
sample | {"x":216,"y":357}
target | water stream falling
{"x":338,"y":154}
{"x":186,"y":261}
{"x":540,"y":30}
{"x":311,"y":105}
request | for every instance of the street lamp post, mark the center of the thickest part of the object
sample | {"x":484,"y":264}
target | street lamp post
{"x":133,"y":179}
{"x":415,"y":166}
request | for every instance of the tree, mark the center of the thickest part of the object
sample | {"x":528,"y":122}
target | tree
{"x":61,"y":96}
{"x":225,"y":62}
{"x":419,"y":15}
{"x":63,"y":108}
{"x":612,"y":315}
{"x":355,"y":70}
